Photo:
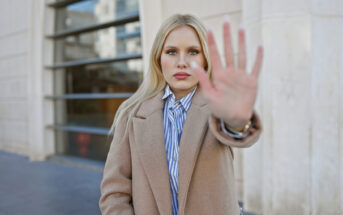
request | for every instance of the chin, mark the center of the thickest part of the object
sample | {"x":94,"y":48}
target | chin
{"x":183,"y":87}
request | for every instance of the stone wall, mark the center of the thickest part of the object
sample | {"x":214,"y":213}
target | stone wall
{"x":23,"y":80}
{"x":14,"y":61}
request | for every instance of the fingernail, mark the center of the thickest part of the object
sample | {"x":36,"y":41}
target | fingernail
{"x":226,"y":19}
{"x":194,"y":65}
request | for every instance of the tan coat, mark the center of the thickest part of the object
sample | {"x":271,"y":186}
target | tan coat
{"x":136,"y":179}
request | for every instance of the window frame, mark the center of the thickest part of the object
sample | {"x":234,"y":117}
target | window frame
{"x":129,"y":17}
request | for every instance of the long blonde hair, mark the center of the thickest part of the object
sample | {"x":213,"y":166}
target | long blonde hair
{"x":154,"y":81}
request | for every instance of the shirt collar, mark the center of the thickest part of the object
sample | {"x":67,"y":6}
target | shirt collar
{"x":167,"y":93}
{"x":185,"y":102}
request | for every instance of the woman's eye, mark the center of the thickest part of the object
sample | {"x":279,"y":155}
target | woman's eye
{"x":193,"y":52}
{"x":171,"y":52}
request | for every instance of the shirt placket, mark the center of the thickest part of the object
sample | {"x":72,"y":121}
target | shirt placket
{"x":176,"y":134}
{"x":174,"y":154}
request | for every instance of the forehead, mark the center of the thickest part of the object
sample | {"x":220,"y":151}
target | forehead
{"x":182,"y":36}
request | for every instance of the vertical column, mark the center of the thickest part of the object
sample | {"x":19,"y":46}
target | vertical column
{"x":286,"y":104}
{"x":327,"y":73}
{"x":302,"y":104}
{"x":341,"y":115}
{"x":14,"y":30}
{"x":35,"y":94}
{"x":49,"y":88}
{"x":150,"y":19}
{"x":252,"y":157}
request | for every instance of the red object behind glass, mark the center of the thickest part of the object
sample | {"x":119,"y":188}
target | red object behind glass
{"x":83,"y":140}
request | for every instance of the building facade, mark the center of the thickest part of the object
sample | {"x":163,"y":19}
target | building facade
{"x":66,"y":65}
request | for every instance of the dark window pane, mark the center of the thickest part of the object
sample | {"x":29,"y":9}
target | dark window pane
{"x":90,"y":12}
{"x":106,"y":43}
{"x":83,"y":144}
{"x":88,"y":112}
{"x":119,"y":77}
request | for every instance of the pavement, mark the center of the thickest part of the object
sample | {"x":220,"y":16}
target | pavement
{"x":60,"y":186}
{"x":47,"y":188}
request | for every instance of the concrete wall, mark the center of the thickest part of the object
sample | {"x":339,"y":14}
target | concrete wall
{"x":22,"y":77}
{"x":327,"y":107}
{"x":299,"y":161}
{"x":14,"y":61}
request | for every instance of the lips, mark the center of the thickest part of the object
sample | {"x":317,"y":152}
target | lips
{"x":181,"y":75}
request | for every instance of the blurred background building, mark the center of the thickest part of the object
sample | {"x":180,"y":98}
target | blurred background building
{"x":66,"y":65}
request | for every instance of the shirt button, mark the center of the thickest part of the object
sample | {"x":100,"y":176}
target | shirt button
{"x":174,"y":159}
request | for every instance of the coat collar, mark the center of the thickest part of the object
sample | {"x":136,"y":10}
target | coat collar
{"x":149,"y":138}
{"x":156,"y":103}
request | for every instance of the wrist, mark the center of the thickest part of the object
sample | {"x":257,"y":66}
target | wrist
{"x":234,"y":133}
{"x":238,"y":123}
{"x":243,"y":128}
{"x":237,"y":126}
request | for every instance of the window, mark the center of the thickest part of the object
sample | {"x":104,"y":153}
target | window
{"x":97,"y":65}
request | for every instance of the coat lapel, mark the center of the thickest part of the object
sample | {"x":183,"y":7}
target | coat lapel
{"x":149,"y":138}
{"x":191,"y":140}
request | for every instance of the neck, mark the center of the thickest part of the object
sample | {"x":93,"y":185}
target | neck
{"x":181,"y":94}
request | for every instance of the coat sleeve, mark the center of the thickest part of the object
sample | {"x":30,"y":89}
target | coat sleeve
{"x":116,"y":187}
{"x":254,"y":133}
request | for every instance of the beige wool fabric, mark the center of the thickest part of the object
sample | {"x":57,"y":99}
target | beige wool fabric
{"x":136,"y":178}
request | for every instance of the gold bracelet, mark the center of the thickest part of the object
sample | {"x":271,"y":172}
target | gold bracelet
{"x":241,"y":132}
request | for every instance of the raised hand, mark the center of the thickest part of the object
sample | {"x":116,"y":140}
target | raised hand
{"x":232,"y":92}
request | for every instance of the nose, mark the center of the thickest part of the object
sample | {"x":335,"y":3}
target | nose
{"x":181,"y":63}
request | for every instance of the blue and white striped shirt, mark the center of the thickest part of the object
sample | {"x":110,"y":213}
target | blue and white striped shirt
{"x":174,"y":116}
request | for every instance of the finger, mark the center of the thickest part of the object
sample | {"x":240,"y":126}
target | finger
{"x":241,"y":51}
{"x":229,"y":55}
{"x":204,"y":81}
{"x":258,"y":62}
{"x":215,"y":58}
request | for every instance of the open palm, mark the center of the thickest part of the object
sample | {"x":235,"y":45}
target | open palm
{"x":232,"y":92}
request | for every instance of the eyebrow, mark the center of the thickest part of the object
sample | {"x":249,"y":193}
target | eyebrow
{"x":169,"y":47}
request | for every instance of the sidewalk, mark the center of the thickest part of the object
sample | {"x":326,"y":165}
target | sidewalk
{"x":46,"y":188}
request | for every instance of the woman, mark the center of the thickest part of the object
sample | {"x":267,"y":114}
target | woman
{"x":151,"y":168}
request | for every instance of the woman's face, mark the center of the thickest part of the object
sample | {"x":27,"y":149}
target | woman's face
{"x":181,"y":47}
